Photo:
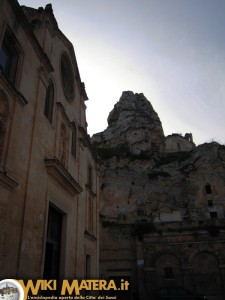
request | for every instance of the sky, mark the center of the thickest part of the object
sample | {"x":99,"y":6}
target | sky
{"x":172,"y":51}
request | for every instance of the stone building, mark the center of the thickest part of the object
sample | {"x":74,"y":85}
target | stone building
{"x":49,"y":177}
{"x":162,"y":207}
{"x":176,"y":142}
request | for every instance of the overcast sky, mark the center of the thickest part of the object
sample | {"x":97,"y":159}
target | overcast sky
{"x":172,"y":51}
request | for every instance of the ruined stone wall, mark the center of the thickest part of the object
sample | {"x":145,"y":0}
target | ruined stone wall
{"x":191,"y":258}
{"x":178,"y":143}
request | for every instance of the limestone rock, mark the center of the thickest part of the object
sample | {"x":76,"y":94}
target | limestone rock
{"x":133,"y":126}
{"x":170,"y":187}
{"x":159,"y":207}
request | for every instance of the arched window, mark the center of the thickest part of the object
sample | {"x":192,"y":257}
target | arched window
{"x":168,"y":267}
{"x":4,"y":112}
{"x":67,"y":77}
{"x":49,"y":102}
{"x":74,"y":141}
{"x":9,"y":55}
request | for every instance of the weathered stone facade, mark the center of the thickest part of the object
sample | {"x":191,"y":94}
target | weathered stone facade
{"x":49,"y":178}
{"x":162,"y":212}
{"x":176,"y":142}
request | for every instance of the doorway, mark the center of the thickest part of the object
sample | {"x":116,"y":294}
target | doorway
{"x":53,"y":244}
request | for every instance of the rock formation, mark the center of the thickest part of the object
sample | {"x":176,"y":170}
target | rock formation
{"x":133,"y":126}
{"x":162,"y":210}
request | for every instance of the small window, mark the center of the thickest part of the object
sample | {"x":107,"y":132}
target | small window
{"x":178,"y":147}
{"x":168,"y":271}
{"x":49,"y":102}
{"x":213,"y":215}
{"x":208,"y":189}
{"x":210,"y":203}
{"x":9,"y":56}
{"x":74,"y":141}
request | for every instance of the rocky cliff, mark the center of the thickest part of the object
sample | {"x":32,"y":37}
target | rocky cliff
{"x":133,"y":126}
{"x":165,"y":188}
{"x":161,"y":209}
{"x":142,"y":182}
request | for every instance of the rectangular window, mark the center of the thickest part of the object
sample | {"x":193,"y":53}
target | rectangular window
{"x":168,"y":271}
{"x":49,"y":102}
{"x":210,"y":203}
{"x":208,"y":189}
{"x":213,"y":215}
{"x":9,"y":56}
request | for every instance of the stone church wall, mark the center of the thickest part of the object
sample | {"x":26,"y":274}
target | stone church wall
{"x":48,"y":172}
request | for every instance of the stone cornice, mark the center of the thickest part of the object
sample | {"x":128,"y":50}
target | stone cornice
{"x":64,"y":178}
{"x":90,"y":235}
{"x":7,"y":179}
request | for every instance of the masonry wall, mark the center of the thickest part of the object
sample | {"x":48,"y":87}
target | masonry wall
{"x":44,"y":160}
{"x":177,"y":143}
{"x":196,"y":264}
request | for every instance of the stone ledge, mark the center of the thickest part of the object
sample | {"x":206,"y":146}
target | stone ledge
{"x":90,"y":191}
{"x":64,"y":178}
{"x":7,"y":179}
{"x":90,"y":235}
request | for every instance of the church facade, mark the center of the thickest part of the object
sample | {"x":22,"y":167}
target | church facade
{"x":49,"y":178}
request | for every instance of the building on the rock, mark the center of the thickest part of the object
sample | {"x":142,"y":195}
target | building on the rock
{"x":162,"y":212}
{"x":48,"y":172}
{"x":176,"y":142}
